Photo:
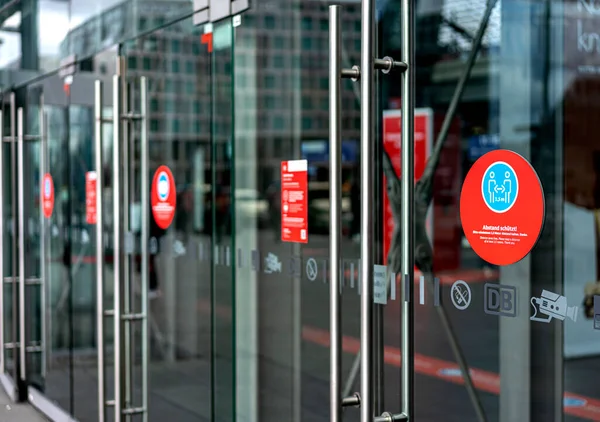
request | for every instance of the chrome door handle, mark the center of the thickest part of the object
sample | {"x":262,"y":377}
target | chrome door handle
{"x":100,"y":282}
{"x":335,"y":194}
{"x":2,"y":364}
{"x":364,"y":72}
{"x":44,"y":285}
{"x":145,"y":239}
{"x":407,"y":191}
{"x":21,"y":235}
{"x":335,"y":216}
{"x":117,"y":246}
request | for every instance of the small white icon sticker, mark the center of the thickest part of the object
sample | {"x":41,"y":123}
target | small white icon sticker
{"x":461,"y":295}
{"x":552,"y":305}
{"x":272,"y":264}
{"x":312,"y":269}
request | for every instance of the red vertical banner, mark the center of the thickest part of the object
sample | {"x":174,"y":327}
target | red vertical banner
{"x":90,"y":197}
{"x":294,"y":201}
{"x":392,"y":145}
{"x":447,"y":182}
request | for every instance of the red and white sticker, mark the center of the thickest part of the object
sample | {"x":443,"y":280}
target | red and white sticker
{"x":90,"y":197}
{"x":47,"y":195}
{"x":163,"y":197}
{"x":294,"y":201}
{"x":392,"y":124}
{"x":502,"y":207}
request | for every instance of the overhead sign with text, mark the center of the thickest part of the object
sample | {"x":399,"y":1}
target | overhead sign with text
{"x":502,"y":207}
{"x":294,"y":201}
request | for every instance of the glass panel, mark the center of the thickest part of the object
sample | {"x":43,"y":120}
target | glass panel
{"x":68,"y":377}
{"x":33,"y":239}
{"x":281,"y":114}
{"x":180,"y":268}
{"x":9,"y":318}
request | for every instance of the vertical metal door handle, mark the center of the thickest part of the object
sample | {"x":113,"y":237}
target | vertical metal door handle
{"x":117,"y":247}
{"x":335,"y":198}
{"x":407,"y":190}
{"x":100,"y":287}
{"x":43,"y":226}
{"x":366,"y":208}
{"x":145,"y":238}
{"x":2,"y":234}
{"x":21,"y":234}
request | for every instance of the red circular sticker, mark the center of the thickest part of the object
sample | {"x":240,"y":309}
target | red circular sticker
{"x":502,"y":207}
{"x":47,"y":195}
{"x":163,"y":197}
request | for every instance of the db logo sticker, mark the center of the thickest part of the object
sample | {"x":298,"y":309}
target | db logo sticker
{"x":163,"y":197}
{"x":47,"y":195}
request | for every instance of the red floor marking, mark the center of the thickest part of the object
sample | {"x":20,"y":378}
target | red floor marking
{"x":427,"y":365}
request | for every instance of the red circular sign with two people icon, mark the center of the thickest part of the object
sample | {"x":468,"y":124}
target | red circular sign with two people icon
{"x":502,"y":207}
{"x":163,"y":197}
{"x":47,"y":195}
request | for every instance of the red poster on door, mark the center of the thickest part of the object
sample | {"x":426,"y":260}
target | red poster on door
{"x":90,"y":197}
{"x":294,"y":201}
{"x":502,"y":207}
{"x":163,"y":197}
{"x":47,"y":195}
{"x":392,"y":146}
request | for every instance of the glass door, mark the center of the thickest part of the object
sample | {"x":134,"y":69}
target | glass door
{"x":162,"y":211}
{"x":11,"y":375}
{"x":425,"y":314}
{"x":63,"y":314}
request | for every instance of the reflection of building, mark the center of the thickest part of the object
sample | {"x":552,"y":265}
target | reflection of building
{"x":180,"y":77}
{"x":275,"y":59}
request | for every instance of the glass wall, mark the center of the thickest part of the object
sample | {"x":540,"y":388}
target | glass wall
{"x":239,"y":320}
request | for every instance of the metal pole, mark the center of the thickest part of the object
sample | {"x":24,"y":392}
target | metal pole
{"x":128,"y":242}
{"x":43,"y":228}
{"x":21,"y":205}
{"x":100,"y":290}
{"x":15,"y":246}
{"x":367,"y":199}
{"x":118,"y":244}
{"x":407,"y":190}
{"x":335,"y":196}
{"x":145,"y":234}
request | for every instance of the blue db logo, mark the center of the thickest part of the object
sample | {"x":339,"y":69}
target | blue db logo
{"x":500,"y":187}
